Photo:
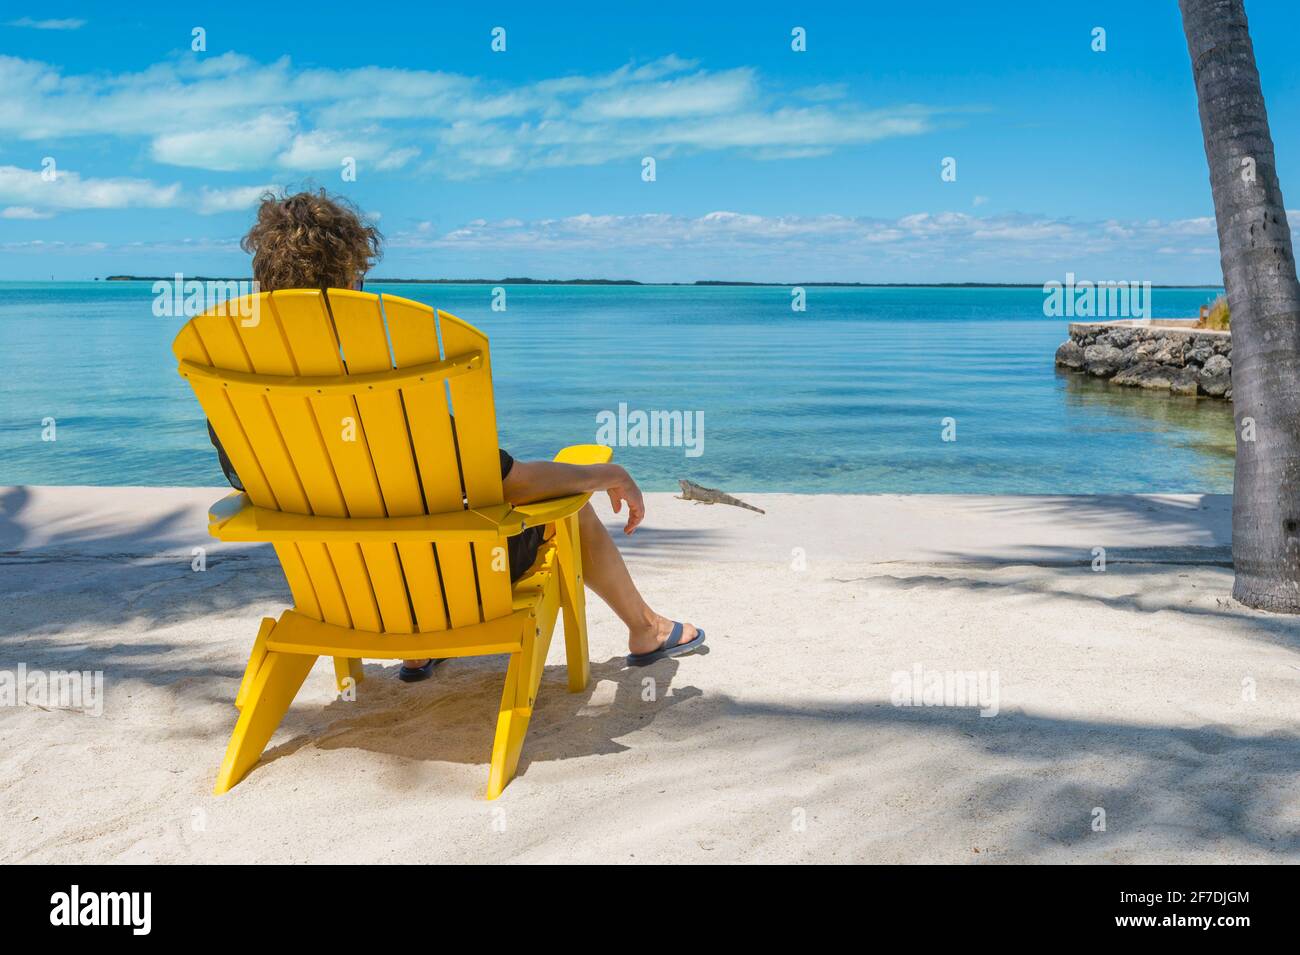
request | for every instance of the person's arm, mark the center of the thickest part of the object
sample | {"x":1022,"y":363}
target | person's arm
{"x":530,"y":481}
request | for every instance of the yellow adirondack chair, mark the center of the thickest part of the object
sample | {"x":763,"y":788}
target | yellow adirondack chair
{"x":336,"y":411}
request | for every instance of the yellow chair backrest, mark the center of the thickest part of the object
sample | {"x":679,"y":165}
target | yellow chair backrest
{"x":340,"y":404}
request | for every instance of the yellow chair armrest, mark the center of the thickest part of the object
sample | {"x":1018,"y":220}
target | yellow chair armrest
{"x":556,"y":509}
{"x":547,"y":512}
{"x":226,"y":508}
{"x":585,"y":454}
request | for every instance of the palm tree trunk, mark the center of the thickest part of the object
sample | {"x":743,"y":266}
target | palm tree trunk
{"x":1259,"y":274}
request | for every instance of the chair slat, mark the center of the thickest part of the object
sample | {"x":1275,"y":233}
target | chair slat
{"x":412,"y":329}
{"x":476,"y":439}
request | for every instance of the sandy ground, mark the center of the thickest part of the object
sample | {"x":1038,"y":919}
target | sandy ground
{"x":1142,"y":691}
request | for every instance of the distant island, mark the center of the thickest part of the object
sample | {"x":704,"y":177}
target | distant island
{"x":170,"y":278}
{"x":701,"y":282}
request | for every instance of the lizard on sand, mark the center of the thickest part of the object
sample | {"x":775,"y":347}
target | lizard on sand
{"x":708,"y":495}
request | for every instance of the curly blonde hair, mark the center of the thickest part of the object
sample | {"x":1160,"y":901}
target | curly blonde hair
{"x":310,"y":240}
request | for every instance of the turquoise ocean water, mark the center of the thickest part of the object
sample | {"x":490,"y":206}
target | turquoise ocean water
{"x":848,"y":396}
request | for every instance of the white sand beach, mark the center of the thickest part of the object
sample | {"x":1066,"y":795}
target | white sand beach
{"x":1120,"y":690}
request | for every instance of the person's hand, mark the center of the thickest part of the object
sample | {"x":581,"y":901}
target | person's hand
{"x":625,"y":489}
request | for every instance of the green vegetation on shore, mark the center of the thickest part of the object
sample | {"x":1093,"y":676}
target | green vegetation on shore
{"x":1218,"y":318}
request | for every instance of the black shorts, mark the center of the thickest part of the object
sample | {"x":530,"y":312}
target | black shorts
{"x":523,"y":549}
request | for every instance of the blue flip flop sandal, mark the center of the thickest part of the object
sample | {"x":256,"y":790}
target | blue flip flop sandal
{"x":671,"y":647}
{"x":417,"y":674}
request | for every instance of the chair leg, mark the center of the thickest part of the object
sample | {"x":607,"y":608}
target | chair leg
{"x":345,"y":668}
{"x":523,"y":678}
{"x":277,"y":682}
{"x":573,"y":601}
{"x":254,"y":661}
{"x":512,"y":726}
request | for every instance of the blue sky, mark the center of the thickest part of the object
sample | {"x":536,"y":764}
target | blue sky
{"x":771,"y":164}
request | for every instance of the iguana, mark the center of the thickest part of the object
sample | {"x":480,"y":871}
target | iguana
{"x":708,"y":495}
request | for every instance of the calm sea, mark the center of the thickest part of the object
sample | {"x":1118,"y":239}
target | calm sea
{"x":848,"y":396}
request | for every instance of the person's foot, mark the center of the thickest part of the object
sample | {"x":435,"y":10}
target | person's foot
{"x":651,"y":637}
{"x":413,"y":671}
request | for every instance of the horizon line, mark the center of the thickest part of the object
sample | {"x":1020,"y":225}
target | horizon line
{"x":525,"y":280}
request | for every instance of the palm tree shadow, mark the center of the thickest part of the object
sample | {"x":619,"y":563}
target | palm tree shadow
{"x":92,"y":573}
{"x":451,"y":718}
{"x":1208,"y":782}
{"x":1145,"y":598}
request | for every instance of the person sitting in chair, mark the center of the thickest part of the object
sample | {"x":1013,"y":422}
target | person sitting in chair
{"x":311,"y":240}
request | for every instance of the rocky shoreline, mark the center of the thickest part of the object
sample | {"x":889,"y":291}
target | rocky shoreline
{"x":1164,"y":355}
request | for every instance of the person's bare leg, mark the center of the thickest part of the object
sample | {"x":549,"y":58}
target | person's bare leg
{"x":608,"y":577}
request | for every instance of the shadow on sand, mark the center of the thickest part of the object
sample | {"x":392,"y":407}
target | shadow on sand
{"x":1191,"y":784}
{"x":452,"y":717}
{"x":1194,"y":784}
{"x":1142,"y":598}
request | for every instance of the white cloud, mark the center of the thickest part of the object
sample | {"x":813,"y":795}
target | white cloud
{"x":327,"y":149}
{"x":35,"y":197}
{"x":23,"y":212}
{"x":823,"y":92}
{"x":127,"y":251}
{"x":68,"y":190}
{"x":397,"y":158}
{"x":249,"y":145}
{"x":1202,"y":225}
{"x":321,"y":148}
{"x":701,"y":94}
{"x":234,"y":199}
{"x":939,"y":246}
{"x":231,"y":112}
{"x":69,"y":24}
{"x":817,"y":126}
{"x":726,"y":244}
{"x":948,"y":241}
